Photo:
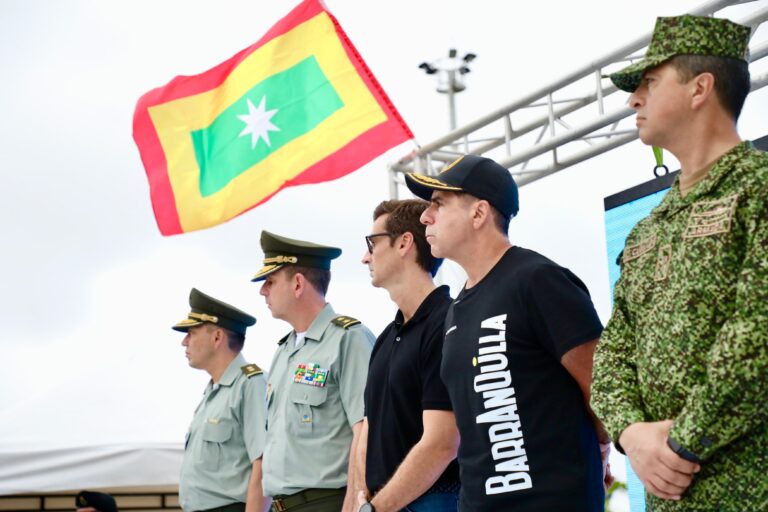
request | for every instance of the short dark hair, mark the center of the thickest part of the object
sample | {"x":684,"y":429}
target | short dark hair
{"x":404,"y":217}
{"x":319,"y":278}
{"x":732,"y":81}
{"x":235,"y":340}
{"x":500,"y":220}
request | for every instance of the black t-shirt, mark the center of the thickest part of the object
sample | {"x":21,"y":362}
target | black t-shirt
{"x":527,"y":441}
{"x":403,"y":381}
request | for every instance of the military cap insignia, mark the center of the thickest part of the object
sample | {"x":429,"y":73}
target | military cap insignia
{"x":251,"y":369}
{"x":345,"y":322}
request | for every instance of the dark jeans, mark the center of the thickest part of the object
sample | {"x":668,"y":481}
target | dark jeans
{"x":435,"y":502}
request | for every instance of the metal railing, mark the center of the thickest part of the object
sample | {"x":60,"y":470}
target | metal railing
{"x":509,"y":140}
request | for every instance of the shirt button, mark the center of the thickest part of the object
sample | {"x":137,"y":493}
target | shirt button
{"x":397,"y":339}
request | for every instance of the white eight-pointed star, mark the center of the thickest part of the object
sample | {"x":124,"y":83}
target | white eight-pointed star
{"x":257,"y":123}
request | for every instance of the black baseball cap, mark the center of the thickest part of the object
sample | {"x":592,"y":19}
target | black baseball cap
{"x":475,"y":175}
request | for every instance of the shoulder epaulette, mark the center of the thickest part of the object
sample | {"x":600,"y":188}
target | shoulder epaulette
{"x":283,"y":339}
{"x":251,"y":369}
{"x":345,"y":322}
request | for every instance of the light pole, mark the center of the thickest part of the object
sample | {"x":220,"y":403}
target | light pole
{"x":450,"y":73}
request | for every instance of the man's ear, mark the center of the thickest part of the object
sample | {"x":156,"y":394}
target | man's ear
{"x":218,"y":337}
{"x":702,"y":88}
{"x":406,"y":242}
{"x":481,"y":212}
{"x":298,"y":284}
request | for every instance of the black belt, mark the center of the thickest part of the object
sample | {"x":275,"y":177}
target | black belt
{"x":283,"y":502}
{"x":232,"y":507}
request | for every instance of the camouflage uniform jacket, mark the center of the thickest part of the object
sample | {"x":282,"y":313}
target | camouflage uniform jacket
{"x":688,"y":336}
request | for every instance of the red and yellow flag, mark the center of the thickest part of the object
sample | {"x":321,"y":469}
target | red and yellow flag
{"x":299,"y":106}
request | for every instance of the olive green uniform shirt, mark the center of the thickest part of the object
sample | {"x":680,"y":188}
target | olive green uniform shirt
{"x":225,"y":437}
{"x":688,"y":336}
{"x":311,"y":413}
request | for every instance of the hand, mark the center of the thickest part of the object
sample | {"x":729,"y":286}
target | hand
{"x":662,"y":471}
{"x":605,"y":452}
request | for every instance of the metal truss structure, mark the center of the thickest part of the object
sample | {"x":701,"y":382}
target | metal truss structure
{"x":563,"y":124}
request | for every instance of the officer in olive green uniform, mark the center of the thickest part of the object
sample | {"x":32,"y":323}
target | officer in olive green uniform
{"x":686,"y":348}
{"x":226,"y":437}
{"x":316,"y":381}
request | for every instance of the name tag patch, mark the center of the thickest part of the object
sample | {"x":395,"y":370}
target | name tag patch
{"x":311,"y":374}
{"x":711,"y":217}
{"x":632,"y":252}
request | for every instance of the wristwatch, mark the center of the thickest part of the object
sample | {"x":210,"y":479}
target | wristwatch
{"x":366,"y":507}
{"x":682,"y":452}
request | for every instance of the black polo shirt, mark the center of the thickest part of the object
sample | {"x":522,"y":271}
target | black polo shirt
{"x":403,"y":381}
{"x":527,"y":441}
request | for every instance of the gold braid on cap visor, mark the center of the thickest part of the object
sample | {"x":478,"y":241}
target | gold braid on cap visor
{"x":432,"y":182}
{"x":204,"y":318}
{"x":279,"y":260}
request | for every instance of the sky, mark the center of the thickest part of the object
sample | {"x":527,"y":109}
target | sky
{"x":89,"y":286}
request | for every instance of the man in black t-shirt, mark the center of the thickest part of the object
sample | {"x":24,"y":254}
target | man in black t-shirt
{"x":409,"y":437}
{"x":517,"y":355}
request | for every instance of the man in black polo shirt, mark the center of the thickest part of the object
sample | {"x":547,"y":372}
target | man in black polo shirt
{"x":517,"y":355}
{"x":409,"y":436}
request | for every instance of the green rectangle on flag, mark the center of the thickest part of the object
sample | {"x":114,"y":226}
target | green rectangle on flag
{"x":272,"y":113}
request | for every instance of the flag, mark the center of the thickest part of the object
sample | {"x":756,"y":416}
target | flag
{"x":300,"y":106}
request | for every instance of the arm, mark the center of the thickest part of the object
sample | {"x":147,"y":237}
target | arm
{"x":254,"y":417}
{"x":578,"y":362}
{"x":256,"y":501}
{"x":616,"y":399}
{"x":349,"y":498}
{"x":355,"y":354}
{"x":361,"y":452}
{"x":424,"y":463}
{"x":730,"y":400}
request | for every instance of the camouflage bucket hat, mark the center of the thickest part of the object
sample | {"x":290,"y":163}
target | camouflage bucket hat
{"x":686,"y":35}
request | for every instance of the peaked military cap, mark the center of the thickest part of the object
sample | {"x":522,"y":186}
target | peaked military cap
{"x":686,"y":35}
{"x":474,"y":175}
{"x":280,"y":251}
{"x":207,"y":309}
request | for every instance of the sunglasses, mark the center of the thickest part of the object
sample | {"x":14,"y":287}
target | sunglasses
{"x":369,"y":240}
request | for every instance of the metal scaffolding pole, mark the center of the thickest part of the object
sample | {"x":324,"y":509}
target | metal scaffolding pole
{"x":602,"y":133}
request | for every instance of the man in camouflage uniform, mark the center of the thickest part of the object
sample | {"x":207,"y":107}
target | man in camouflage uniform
{"x":681,"y":373}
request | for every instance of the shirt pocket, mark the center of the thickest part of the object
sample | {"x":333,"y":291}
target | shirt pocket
{"x":214,"y":436}
{"x":306,"y":400}
{"x":639,"y":268}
